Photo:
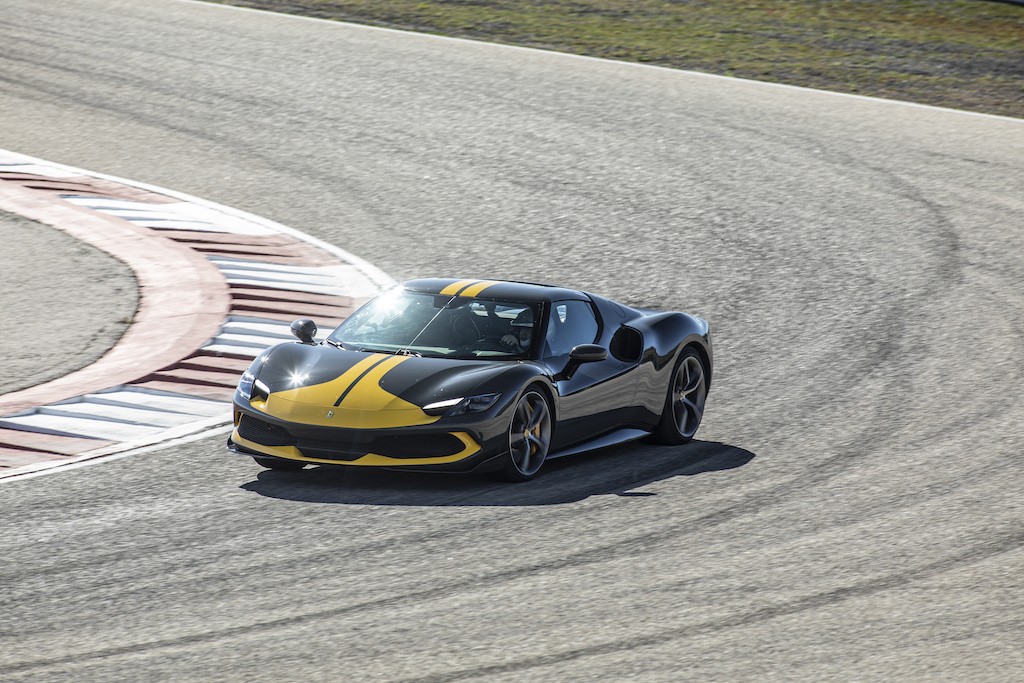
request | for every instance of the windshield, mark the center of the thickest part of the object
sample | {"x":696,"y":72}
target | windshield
{"x":400,"y":321}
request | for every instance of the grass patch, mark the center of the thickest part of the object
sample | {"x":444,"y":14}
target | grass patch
{"x":966,"y":54}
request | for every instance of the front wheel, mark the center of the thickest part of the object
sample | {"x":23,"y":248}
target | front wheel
{"x":278,"y":464}
{"x":684,"y":405}
{"x":529,"y":435}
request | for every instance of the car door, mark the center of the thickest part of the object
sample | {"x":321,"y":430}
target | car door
{"x":598,"y":396}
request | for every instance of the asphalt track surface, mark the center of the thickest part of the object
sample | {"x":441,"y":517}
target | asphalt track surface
{"x":852,"y":510}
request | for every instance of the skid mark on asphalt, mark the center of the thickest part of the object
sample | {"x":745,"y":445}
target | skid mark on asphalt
{"x":271,"y":274}
{"x":819,"y":600}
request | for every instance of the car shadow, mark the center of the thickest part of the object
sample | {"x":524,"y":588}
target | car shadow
{"x":616,"y":471}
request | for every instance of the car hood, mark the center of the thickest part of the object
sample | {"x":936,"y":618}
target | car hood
{"x":325,"y":385}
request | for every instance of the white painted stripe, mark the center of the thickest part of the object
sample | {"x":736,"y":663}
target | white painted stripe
{"x":254,"y":318}
{"x":136,"y":215}
{"x":271,"y":328}
{"x":192,"y":226}
{"x":312,"y":278}
{"x":167,"y":402}
{"x":231,"y":350}
{"x":186,"y":216}
{"x":257,"y":341}
{"x":116,"y":413}
{"x":313,"y":275}
{"x":227,"y":263}
{"x":227,"y":222}
{"x":271,"y":332}
{"x":331,"y":280}
{"x":107,"y":204}
{"x":79,"y":426}
{"x":353,"y":282}
{"x":38,"y":169}
{"x":289,"y":286}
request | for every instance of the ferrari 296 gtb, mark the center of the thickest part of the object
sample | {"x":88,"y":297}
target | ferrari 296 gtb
{"x":474,"y":375}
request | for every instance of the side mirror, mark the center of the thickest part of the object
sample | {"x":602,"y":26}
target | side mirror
{"x":588,"y":353}
{"x":305,"y":330}
{"x":583,"y":353}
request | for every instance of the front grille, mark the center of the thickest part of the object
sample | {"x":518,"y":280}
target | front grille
{"x":409,"y":446}
{"x":264,"y":433}
{"x":419,"y":446}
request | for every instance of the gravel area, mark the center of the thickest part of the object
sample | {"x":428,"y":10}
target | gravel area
{"x":65,"y":303}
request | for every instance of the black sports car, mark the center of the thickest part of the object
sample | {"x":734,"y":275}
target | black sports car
{"x":461,"y":375}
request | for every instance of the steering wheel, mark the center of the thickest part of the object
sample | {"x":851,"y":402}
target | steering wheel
{"x":465,"y":330}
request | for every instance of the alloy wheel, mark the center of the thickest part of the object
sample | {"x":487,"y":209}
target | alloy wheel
{"x":689,"y":392}
{"x":529,"y":434}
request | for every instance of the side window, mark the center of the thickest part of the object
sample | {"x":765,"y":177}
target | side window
{"x":570,"y":323}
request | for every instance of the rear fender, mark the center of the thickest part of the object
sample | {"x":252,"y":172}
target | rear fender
{"x":665,"y":335}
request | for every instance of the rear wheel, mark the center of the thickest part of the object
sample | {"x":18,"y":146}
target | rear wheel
{"x":278,"y":464}
{"x":529,"y":436}
{"x":684,"y":405}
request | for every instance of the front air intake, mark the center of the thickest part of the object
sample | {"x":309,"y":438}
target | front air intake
{"x":264,"y":433}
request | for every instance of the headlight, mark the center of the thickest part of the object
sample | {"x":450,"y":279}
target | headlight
{"x":461,"y":406}
{"x":245,"y":385}
{"x":249,"y":387}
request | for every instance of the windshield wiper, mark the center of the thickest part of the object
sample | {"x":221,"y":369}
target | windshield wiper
{"x":340,"y":345}
{"x":348,"y":346}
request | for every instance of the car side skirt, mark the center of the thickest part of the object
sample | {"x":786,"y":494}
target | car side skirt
{"x":619,"y":436}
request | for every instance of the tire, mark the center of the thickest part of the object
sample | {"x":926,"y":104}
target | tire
{"x":278,"y":464}
{"x":529,"y":436}
{"x":684,"y":403}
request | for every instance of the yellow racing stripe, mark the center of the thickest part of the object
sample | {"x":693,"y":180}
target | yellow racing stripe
{"x":364,"y":404}
{"x":456,"y":287}
{"x":326,"y":393}
{"x":477,"y":288}
{"x":369,"y":406}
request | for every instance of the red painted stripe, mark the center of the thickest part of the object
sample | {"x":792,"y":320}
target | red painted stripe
{"x":50,"y":443}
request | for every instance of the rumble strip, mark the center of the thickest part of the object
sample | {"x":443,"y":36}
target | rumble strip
{"x":216,"y":287}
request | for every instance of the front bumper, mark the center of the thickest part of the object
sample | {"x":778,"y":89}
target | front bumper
{"x":445,"y":446}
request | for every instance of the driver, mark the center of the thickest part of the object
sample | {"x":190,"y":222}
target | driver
{"x":518,"y":340}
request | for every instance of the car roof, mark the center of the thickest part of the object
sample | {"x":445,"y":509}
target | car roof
{"x":494,"y":289}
